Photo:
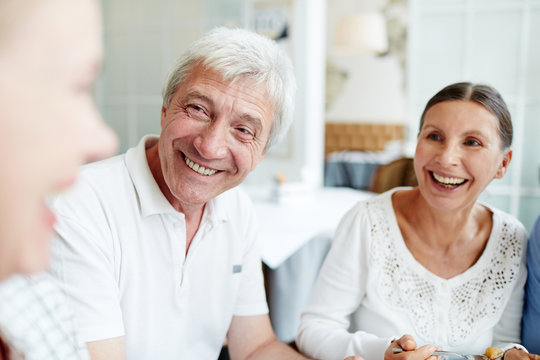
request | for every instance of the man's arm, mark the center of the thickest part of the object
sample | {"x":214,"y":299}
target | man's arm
{"x":109,"y":349}
{"x":252,"y":337}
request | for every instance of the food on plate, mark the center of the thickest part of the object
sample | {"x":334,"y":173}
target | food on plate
{"x":494,"y":353}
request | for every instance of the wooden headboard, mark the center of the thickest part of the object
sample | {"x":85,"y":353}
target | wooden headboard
{"x":360,"y":136}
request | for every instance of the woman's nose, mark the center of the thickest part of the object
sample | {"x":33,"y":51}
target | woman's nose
{"x":99,"y":141}
{"x":449,"y":154}
{"x":211,"y":143}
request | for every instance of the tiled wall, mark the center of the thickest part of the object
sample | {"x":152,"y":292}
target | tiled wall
{"x":143,"y":38}
{"x":487,"y":41}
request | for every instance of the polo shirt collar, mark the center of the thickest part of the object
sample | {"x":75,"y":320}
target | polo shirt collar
{"x":151,"y":199}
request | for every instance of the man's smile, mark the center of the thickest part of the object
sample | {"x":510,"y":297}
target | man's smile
{"x":199,"y":168}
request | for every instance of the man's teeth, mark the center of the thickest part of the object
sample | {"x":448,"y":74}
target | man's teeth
{"x":448,"y":180}
{"x":198,"y":168}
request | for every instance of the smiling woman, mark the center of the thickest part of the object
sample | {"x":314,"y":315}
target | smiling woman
{"x":50,"y":53}
{"x":429,"y":261}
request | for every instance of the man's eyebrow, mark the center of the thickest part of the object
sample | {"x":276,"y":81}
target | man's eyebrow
{"x":199,"y":96}
{"x":252,"y":119}
{"x":255,"y":120}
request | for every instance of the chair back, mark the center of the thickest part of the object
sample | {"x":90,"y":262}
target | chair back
{"x":399,"y":172}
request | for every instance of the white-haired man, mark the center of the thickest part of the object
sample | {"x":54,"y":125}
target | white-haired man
{"x":157,"y":246}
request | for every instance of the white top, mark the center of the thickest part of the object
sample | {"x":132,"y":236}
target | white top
{"x":372,"y":290}
{"x":36,"y":320}
{"x":121,"y":252}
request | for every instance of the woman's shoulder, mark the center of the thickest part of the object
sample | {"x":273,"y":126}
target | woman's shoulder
{"x":376,"y":207}
{"x":383,"y":199}
{"x":508,"y":237}
{"x":371,"y":217}
{"x":504,"y":222}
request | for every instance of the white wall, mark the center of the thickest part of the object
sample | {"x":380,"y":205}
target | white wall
{"x":144,"y":37}
{"x":374,"y":90}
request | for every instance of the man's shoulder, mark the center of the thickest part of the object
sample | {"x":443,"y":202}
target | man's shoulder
{"x":234,"y":202}
{"x":235,"y":197}
{"x":98,"y":183}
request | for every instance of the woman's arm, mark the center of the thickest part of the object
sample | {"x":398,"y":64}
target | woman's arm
{"x":339,"y":290}
{"x":507,"y":332}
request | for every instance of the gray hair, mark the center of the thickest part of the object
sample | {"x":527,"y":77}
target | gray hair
{"x":238,"y":53}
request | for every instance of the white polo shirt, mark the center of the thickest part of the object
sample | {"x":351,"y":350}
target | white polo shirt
{"x":120,"y":250}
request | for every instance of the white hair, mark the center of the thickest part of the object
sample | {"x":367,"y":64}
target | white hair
{"x":239,"y":53}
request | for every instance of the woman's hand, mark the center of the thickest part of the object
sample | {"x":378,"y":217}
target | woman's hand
{"x":354,"y":358}
{"x":408,"y":344}
{"x":518,"y":354}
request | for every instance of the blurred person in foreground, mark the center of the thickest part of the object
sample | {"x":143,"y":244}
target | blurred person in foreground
{"x":50,"y":55}
{"x":158,"y":246}
{"x":416,"y":269}
{"x":531,"y":314}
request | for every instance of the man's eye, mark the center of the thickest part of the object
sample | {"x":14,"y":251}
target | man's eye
{"x":245,"y":132}
{"x":196,"y":111}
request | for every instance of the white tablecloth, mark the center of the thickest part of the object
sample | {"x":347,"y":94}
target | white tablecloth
{"x":300,"y":215}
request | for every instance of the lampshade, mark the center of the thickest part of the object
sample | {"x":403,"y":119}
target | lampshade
{"x":362,"y":33}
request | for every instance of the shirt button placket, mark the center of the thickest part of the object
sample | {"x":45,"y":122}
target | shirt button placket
{"x":178,"y":247}
{"x":444,"y":293}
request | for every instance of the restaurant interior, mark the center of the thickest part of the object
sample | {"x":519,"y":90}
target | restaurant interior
{"x":365,"y":69}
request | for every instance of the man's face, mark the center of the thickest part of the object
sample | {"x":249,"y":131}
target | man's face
{"x":214,"y":133}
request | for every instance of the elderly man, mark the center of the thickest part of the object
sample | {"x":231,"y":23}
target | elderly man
{"x":157,"y":246}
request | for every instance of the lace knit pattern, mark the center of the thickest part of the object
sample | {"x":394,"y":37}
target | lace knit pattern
{"x":470,"y":305}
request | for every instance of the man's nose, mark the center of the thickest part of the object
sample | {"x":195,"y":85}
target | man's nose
{"x":211,"y":143}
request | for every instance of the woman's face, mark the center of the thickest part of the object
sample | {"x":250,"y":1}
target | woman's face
{"x":49,"y":124}
{"x":459,"y":152}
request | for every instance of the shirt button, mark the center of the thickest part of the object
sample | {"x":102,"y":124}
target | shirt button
{"x":177,"y":224}
{"x":444,"y":285}
{"x":442,"y":320}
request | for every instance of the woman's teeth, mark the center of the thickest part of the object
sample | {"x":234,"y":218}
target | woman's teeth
{"x":449,"y":182}
{"x":198,"y":168}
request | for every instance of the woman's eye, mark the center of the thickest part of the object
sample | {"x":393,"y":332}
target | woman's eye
{"x":472,"y":142}
{"x":434,"y":137}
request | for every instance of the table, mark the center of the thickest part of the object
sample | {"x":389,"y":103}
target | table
{"x":300,"y":215}
{"x":295,"y":234}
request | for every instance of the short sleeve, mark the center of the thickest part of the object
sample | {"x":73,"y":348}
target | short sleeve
{"x":251,"y":298}
{"x":84,"y":261}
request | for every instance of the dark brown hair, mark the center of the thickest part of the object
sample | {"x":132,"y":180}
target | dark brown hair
{"x":484,"y":95}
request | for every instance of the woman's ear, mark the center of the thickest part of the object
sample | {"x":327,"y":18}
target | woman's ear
{"x":503,"y":166}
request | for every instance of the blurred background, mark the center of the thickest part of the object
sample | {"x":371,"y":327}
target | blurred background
{"x":359,"y":62}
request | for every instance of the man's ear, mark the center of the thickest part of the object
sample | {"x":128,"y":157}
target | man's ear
{"x":503,"y":166}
